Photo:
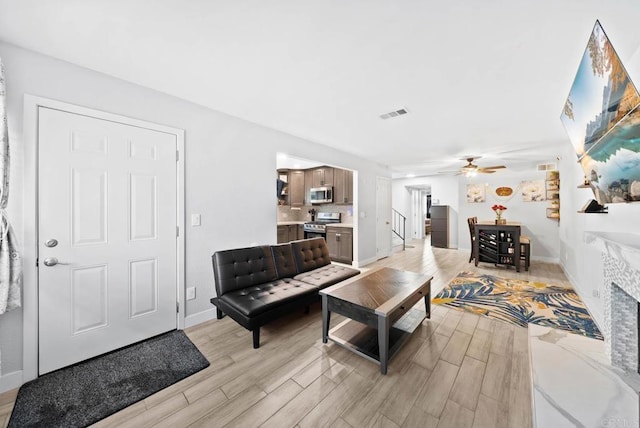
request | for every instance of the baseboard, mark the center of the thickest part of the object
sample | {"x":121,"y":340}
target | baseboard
{"x":10,"y":381}
{"x":199,"y":318}
{"x":361,"y":263}
{"x":546,"y":259}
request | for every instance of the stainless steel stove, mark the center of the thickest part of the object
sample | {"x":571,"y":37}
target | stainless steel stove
{"x":319,"y":227}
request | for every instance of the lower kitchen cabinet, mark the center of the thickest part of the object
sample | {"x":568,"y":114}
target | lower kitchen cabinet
{"x":340,"y":244}
{"x":283,"y":234}
{"x":289,"y":232}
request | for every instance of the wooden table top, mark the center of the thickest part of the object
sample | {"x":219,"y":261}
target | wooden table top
{"x":493,"y":223}
{"x":380,"y":290}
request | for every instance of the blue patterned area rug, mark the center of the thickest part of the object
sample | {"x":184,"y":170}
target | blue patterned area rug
{"x":519,"y":302}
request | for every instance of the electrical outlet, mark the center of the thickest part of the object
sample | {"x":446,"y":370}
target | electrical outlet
{"x":596,"y":293}
{"x":195,"y":220}
{"x":191,"y":293}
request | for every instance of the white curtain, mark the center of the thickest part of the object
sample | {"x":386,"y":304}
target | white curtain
{"x":10,"y":260}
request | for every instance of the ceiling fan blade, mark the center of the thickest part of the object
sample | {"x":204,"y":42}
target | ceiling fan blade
{"x":494,"y":167}
{"x":485,"y":171}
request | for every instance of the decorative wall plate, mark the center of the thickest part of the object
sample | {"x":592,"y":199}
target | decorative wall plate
{"x":504,"y":191}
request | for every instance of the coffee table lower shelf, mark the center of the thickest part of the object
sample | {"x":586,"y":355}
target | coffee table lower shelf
{"x":363,"y":340}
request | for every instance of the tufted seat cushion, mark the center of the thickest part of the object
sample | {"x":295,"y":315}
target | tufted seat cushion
{"x":326,"y":275}
{"x":285,"y":263}
{"x":257,"y":299}
{"x":243,"y":267}
{"x":310,"y":254}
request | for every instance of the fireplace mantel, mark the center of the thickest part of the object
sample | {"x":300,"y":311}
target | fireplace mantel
{"x":622,"y":246}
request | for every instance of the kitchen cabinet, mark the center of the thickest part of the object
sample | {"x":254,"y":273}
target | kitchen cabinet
{"x":340,"y":244}
{"x":322,"y":177}
{"x":296,"y":188}
{"x":289,"y":232}
{"x":342,"y":186}
{"x":308,"y":184}
{"x":283,"y":234}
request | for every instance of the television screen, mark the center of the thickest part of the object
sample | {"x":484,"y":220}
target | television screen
{"x":602,"y":117}
{"x":612,"y":165}
{"x":601,"y":94}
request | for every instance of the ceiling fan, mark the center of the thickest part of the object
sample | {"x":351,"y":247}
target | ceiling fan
{"x":471,"y":169}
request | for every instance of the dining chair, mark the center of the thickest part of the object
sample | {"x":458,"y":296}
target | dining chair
{"x":472,"y":221}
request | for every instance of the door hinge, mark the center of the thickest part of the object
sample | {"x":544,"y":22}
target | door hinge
{"x":177,"y":307}
{"x":177,"y":155}
{"x":177,"y":231}
{"x":37,"y":262}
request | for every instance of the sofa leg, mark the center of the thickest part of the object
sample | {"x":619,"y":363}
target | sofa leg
{"x":219,"y":314}
{"x":306,"y":309}
{"x":256,"y":338}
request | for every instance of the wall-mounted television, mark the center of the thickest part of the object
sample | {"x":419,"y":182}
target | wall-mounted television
{"x":602,"y":117}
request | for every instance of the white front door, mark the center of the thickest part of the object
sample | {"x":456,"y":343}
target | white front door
{"x":383,"y":217}
{"x":107,"y":195}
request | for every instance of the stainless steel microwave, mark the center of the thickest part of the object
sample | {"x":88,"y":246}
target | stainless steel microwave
{"x":321,"y":195}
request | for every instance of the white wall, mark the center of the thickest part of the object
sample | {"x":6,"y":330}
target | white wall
{"x":542,"y":230}
{"x":229,"y":165}
{"x":581,"y":262}
{"x":444,"y":191}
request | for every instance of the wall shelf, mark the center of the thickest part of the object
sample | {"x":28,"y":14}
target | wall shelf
{"x":552,"y":184}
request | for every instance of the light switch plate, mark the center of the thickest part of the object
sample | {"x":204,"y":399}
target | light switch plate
{"x":195,"y":219}
{"x":191,"y":293}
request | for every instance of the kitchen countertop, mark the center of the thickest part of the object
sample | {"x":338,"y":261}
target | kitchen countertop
{"x":287,"y":223}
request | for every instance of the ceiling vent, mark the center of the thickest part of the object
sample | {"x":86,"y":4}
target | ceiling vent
{"x":547,"y":167}
{"x":396,"y":113}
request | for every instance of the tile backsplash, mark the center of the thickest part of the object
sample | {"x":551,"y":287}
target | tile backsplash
{"x":287,"y":213}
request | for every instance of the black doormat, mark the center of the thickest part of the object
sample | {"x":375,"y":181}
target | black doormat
{"x":82,"y":394}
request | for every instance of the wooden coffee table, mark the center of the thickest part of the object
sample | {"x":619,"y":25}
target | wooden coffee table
{"x":379,"y":305}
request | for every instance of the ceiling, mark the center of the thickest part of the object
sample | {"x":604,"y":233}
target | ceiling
{"x":478,"y":78}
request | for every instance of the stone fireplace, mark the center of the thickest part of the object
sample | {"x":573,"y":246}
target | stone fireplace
{"x":621,"y":297}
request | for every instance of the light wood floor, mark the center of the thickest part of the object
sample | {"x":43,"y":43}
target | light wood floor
{"x":457,"y":370}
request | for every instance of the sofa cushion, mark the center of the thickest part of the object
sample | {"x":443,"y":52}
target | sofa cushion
{"x":283,"y":258}
{"x":326,"y":275}
{"x":255,"y":300}
{"x":310,"y":254}
{"x":243,"y":267}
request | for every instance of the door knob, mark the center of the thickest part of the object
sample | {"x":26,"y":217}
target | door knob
{"x":52,"y":261}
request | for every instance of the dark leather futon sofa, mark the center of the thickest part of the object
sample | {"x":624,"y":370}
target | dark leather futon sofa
{"x":258,"y":284}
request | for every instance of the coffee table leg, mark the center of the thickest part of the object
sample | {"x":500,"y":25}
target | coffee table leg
{"x":326,"y":316}
{"x":427,"y":302}
{"x":383,"y":342}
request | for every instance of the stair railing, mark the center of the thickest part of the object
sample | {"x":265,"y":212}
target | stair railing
{"x":399,"y":226}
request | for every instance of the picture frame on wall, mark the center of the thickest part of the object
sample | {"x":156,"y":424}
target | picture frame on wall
{"x":476,"y":193}
{"x":533,"y":190}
